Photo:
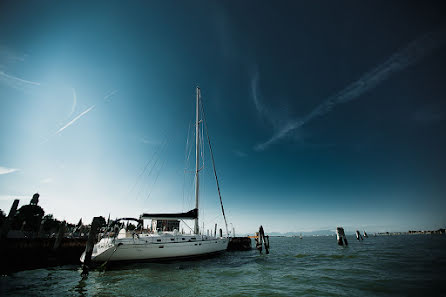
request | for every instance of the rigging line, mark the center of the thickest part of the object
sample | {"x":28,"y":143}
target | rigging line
{"x":145,"y":167}
{"x":156,"y":178}
{"x":213,"y":166}
{"x":144,"y":189}
{"x":202,"y":143}
{"x":185,"y":165}
{"x":142,"y":186}
{"x":188,"y":173}
{"x":186,"y":225}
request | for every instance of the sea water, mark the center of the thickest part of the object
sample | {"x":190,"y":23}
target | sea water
{"x":406,"y":265}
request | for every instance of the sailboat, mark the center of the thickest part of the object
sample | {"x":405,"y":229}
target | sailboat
{"x":164,"y":240}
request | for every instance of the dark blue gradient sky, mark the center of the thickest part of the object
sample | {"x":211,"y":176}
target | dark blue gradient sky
{"x":321,"y":113}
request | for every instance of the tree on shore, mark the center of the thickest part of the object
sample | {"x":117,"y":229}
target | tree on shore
{"x":2,"y":217}
{"x":50,"y":224}
{"x":102,"y":222}
{"x":29,"y":217}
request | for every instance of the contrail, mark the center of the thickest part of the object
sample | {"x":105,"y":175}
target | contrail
{"x":84,"y":112}
{"x":73,"y":107}
{"x":254,"y":82}
{"x":16,"y":82}
{"x":408,"y":56}
{"x":110,"y":94}
{"x":75,"y":119}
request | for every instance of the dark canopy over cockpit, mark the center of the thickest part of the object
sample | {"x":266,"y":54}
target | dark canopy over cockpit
{"x":190,"y":215}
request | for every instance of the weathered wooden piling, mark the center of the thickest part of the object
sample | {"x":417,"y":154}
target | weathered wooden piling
{"x":341,"y":236}
{"x":239,"y":244}
{"x":7,"y":223}
{"x":60,"y":235}
{"x":261,"y":239}
{"x":90,"y":244}
{"x":258,"y":240}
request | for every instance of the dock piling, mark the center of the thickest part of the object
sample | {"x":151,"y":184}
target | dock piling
{"x":60,"y":235}
{"x":261,"y":239}
{"x":90,"y":244}
{"x":341,"y":236}
{"x":7,"y":223}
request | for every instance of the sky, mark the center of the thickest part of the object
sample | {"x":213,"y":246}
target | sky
{"x":320,"y":113}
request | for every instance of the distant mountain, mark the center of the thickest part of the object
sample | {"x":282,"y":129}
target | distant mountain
{"x":310,"y":233}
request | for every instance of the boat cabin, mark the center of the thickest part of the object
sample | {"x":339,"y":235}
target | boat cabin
{"x":165,"y":225}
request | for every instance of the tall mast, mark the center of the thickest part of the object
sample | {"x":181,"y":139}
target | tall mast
{"x":197,"y":156}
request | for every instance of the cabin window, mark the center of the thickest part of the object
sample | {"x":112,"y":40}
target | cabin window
{"x":158,"y":240}
{"x":183,"y":238}
{"x":172,"y":239}
{"x":193,"y":238}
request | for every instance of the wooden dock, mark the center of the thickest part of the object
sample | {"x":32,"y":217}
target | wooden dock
{"x":25,"y":253}
{"x":239,"y":244}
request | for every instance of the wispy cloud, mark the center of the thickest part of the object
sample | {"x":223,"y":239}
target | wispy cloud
{"x":5,"y":170}
{"x":148,"y":141}
{"x":109,"y":95}
{"x":12,"y":197}
{"x":47,"y":180}
{"x":73,"y":106}
{"x":239,"y":154}
{"x":7,"y":58}
{"x":75,"y":119}
{"x":10,"y":56}
{"x":399,"y":61}
{"x":17,"y":82}
{"x":255,"y":94}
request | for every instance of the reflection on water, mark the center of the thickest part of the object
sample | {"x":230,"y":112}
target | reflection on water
{"x":314,"y":266}
{"x":81,"y":287}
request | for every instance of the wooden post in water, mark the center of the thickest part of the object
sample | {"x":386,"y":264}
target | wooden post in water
{"x":264,"y":239}
{"x":90,"y":244}
{"x":7,"y":223}
{"x":60,"y":235}
{"x":258,"y":239}
{"x":341,"y":236}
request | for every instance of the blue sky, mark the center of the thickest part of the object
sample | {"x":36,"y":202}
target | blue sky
{"x":321,"y":114}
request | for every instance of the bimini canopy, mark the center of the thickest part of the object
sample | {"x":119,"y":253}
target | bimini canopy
{"x":127,"y":219}
{"x":190,"y":215}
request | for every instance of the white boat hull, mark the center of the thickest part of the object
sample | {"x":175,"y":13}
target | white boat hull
{"x":141,"y":249}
